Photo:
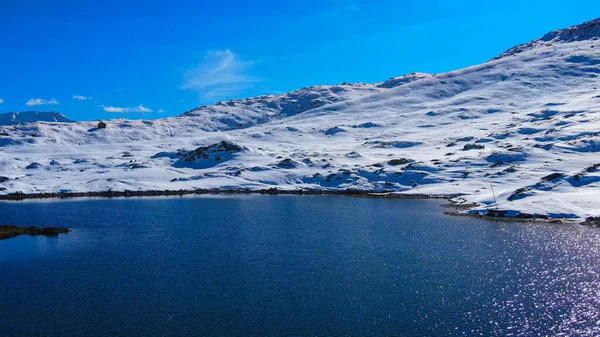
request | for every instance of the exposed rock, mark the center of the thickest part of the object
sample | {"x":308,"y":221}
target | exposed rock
{"x":593,"y":168}
{"x":7,"y":232}
{"x":397,"y":144}
{"x":519,"y":194}
{"x":33,"y":166}
{"x":133,"y":166}
{"x":408,"y":78}
{"x":465,"y":139}
{"x":334,"y":130}
{"x":287,"y":164}
{"x":496,"y":213}
{"x":592,"y":221}
{"x":468,"y":147}
{"x":546,"y":146}
{"x":400,"y":161}
{"x":208,"y":156}
{"x":553,"y":176}
{"x":367,"y":125}
{"x":170,"y":155}
{"x":506,"y":157}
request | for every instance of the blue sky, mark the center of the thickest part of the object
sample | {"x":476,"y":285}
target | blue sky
{"x":152,"y":59}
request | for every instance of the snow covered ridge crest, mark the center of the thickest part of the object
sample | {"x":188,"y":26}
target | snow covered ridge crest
{"x":15,"y":118}
{"x":528,"y":125}
{"x":244,"y":113}
{"x":586,"y":31}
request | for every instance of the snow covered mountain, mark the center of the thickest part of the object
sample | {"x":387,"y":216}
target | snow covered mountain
{"x":14,"y":118}
{"x":527,"y":123}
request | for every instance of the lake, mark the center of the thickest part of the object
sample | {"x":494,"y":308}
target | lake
{"x":292,"y":265}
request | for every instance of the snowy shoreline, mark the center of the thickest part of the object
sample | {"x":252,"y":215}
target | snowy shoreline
{"x":271,"y":191}
{"x":461,"y":209}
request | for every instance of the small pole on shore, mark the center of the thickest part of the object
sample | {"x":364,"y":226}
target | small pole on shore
{"x":494,"y":194}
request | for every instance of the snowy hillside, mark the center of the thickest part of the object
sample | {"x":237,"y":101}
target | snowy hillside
{"x":14,"y":118}
{"x":527,"y":122}
{"x":237,"y":114}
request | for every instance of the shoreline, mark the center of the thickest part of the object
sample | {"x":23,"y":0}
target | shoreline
{"x":515,"y":218}
{"x":461,"y":208}
{"x":271,"y":191}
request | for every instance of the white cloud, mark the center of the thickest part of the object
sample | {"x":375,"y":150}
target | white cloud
{"x":141,"y":108}
{"x":1,"y":101}
{"x":160,"y":111}
{"x":81,"y":98}
{"x":39,"y":101}
{"x":220,"y":75}
{"x":118,"y":109}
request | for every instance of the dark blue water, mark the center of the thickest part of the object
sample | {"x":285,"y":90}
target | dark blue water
{"x":292,"y":265}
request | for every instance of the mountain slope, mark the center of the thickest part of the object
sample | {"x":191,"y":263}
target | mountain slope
{"x":528,"y":124}
{"x":238,"y":114}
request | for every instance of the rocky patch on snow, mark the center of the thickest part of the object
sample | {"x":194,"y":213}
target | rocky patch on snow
{"x":208,"y":156}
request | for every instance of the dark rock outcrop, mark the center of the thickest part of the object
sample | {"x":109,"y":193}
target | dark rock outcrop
{"x":208,"y":156}
{"x":553,"y":176}
{"x":287,"y":164}
{"x":7,"y":231}
{"x":468,"y":147}
{"x":400,"y":161}
{"x":592,"y":221}
{"x":33,"y":166}
{"x":520,"y":194}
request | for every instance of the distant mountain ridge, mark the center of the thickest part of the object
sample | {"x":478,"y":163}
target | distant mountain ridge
{"x":15,"y":118}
